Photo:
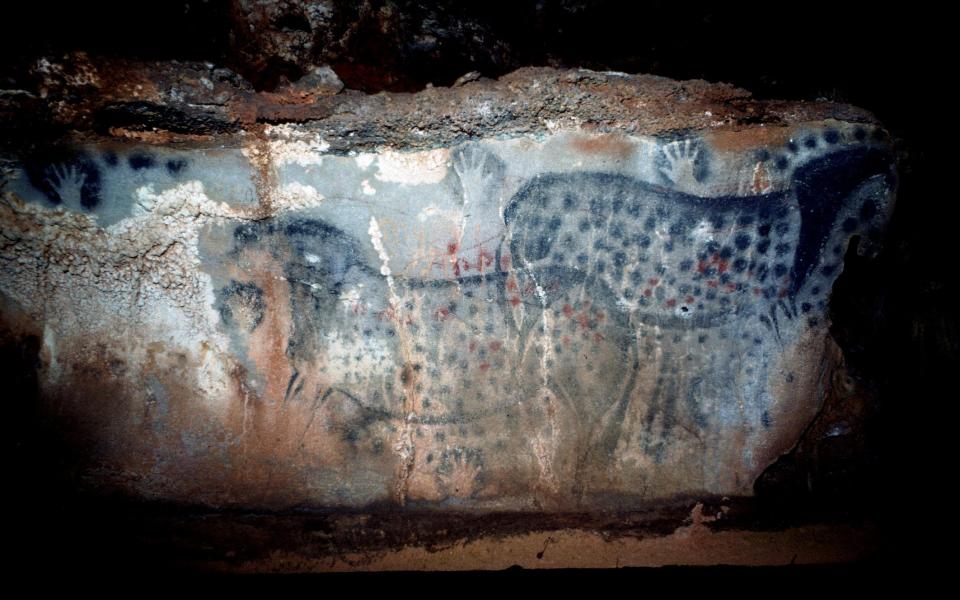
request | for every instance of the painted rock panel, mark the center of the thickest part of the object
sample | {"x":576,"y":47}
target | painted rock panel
{"x":554,"y":320}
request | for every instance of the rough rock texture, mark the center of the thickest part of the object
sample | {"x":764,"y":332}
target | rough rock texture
{"x":560,"y":290}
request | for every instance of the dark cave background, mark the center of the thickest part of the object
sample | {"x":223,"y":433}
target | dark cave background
{"x":894,"y":316}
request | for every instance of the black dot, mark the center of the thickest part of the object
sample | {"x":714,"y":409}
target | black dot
{"x":649,"y":224}
{"x":849,"y":225}
{"x":745,"y":220}
{"x":782,"y":163}
{"x":717,"y":221}
{"x":764,"y":229}
{"x":739,"y":265}
{"x":584,"y":225}
{"x":782,"y":228}
{"x":860,"y":134}
{"x":140,"y":160}
{"x":763,"y":245}
{"x":763,"y":155}
{"x":569,"y":201}
{"x":792,"y":146}
{"x":810,"y":142}
{"x":779,"y":270}
{"x":782,"y":249}
{"x":742,"y":241}
{"x":110,"y":158}
{"x":868,"y":210}
{"x":726,"y":252}
{"x":831,"y":136}
{"x":805,"y":307}
{"x":175,"y":165}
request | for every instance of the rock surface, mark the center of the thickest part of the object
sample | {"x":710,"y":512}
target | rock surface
{"x":560,"y":290}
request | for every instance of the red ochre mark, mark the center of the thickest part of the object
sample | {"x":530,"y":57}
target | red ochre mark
{"x":713,"y":283}
{"x":730,"y":287}
{"x":597,"y":338}
{"x":484,"y":366}
{"x":512,"y":284}
{"x":671,"y":302}
{"x":653,"y":281}
{"x":452,"y":248}
{"x":783,"y":293}
{"x":701,"y":267}
{"x":598,"y":316}
{"x":566,"y":340}
{"x":505,"y":262}
{"x":441,"y":314}
{"x":496,"y":345}
{"x":473,"y":345}
{"x":484,"y":259}
{"x":583,"y":320}
{"x":688,"y":299}
{"x":567,"y":310}
{"x":722,"y":267}
{"x":648,"y":292}
{"x":515,"y":300}
{"x":757,"y":291}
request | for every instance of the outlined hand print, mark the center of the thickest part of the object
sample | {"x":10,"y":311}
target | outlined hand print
{"x":479,"y":171}
{"x":67,"y":181}
{"x":682,"y":163}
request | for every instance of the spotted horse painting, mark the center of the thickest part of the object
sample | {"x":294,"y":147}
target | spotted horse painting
{"x":566,"y":321}
{"x":618,"y":335}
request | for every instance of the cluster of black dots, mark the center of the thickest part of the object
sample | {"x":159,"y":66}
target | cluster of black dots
{"x":799,"y":149}
{"x":659,"y":250}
